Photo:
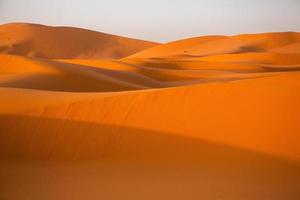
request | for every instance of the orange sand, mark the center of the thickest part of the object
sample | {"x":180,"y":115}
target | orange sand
{"x":36,"y":40}
{"x":213,"y":117}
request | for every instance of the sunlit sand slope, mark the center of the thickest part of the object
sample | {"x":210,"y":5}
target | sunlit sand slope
{"x":215,"y":45}
{"x":219,"y":112}
{"x":65,"y":42}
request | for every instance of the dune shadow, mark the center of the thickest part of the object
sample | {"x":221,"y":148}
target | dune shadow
{"x":281,"y":69}
{"x":40,"y":138}
{"x":248,"y":49}
{"x":40,"y":148}
{"x":66,"y":83}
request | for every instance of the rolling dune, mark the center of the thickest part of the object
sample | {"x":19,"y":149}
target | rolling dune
{"x":216,"y":45}
{"x":42,"y":41}
{"x":214,"y":117}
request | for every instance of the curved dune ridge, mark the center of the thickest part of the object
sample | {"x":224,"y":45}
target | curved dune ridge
{"x":214,"y":117}
{"x":42,"y":41}
{"x":215,"y":45}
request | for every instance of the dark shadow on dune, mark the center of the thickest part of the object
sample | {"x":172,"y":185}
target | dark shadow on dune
{"x":121,"y":75}
{"x":66,"y":83}
{"x":40,"y":138}
{"x":248,"y":49}
{"x":281,"y":69}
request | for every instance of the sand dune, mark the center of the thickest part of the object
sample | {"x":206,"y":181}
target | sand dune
{"x":203,"y":105}
{"x":32,"y":73}
{"x":36,"y":40}
{"x":215,"y":45}
{"x":213,"y":117}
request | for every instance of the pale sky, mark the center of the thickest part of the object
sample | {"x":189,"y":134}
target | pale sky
{"x":159,"y":20}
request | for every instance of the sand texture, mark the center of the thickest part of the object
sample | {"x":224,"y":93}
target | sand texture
{"x":88,"y":115}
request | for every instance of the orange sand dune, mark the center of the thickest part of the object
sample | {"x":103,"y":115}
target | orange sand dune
{"x":215,"y":45}
{"x":201,"y":112}
{"x":36,"y":40}
{"x":214,"y":117}
{"x":33,"y":73}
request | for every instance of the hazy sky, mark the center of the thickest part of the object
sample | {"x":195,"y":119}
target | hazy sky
{"x":159,"y":20}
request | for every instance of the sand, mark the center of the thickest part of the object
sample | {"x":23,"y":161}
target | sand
{"x":35,"y":40}
{"x":213,"y":117}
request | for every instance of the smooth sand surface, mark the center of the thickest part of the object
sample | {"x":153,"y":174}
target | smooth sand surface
{"x":42,"y":41}
{"x":214,"y":117}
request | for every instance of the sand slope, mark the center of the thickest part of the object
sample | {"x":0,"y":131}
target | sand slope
{"x":215,"y":45}
{"x":36,"y":40}
{"x":204,"y":118}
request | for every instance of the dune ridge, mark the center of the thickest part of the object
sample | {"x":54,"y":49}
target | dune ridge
{"x":214,"y":117}
{"x":42,"y":41}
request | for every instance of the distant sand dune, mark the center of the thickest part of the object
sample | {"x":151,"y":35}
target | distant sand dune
{"x":216,"y":45}
{"x":36,"y":40}
{"x":99,"y":117}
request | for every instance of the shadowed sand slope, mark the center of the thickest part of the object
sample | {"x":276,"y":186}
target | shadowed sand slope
{"x":65,"y":42}
{"x":100,"y":75}
{"x":34,"y":73}
{"x":136,"y":162}
{"x":214,"y":117}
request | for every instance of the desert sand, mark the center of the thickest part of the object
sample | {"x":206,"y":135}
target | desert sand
{"x":99,"y":116}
